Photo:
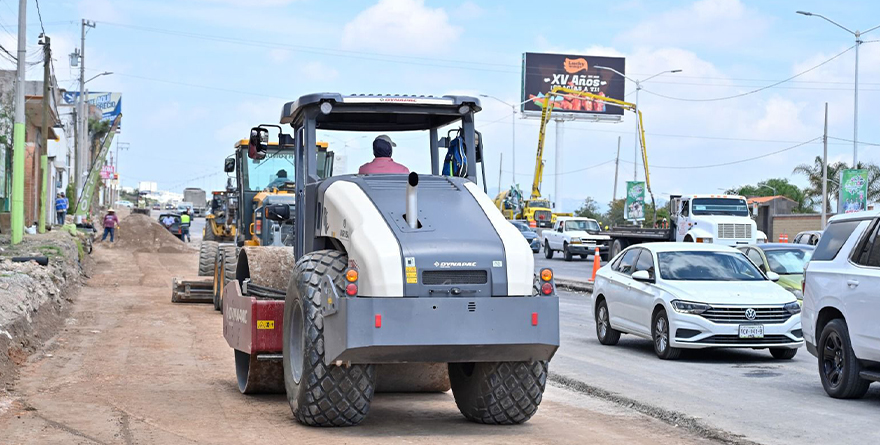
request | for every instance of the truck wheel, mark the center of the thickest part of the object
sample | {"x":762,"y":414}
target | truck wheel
{"x":566,"y":254}
{"x":320,"y":394}
{"x":207,"y":256}
{"x":226,"y":263}
{"x":838,"y":366}
{"x":208,"y":234}
{"x":604,"y":256}
{"x":617,"y":246}
{"x":548,"y":252}
{"x":500,"y":393}
{"x":688,"y":239}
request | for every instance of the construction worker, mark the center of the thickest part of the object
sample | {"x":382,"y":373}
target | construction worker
{"x":280,"y":179}
{"x":111,"y":223}
{"x":185,"y":220}
{"x":61,"y":205}
{"x":382,"y":148}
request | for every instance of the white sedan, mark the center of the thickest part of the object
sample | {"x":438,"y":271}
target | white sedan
{"x":692,"y":296}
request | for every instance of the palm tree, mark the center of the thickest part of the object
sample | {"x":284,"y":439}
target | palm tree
{"x":814,"y":177}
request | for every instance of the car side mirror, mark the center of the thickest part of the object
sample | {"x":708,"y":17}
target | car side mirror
{"x":643,"y":276}
{"x":229,"y":165}
{"x":258,"y":143}
{"x":278,"y":212}
{"x":773,"y":276}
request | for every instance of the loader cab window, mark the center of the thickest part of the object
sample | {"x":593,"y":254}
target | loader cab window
{"x":276,"y":169}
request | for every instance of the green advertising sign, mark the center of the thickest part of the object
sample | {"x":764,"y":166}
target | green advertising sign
{"x":634,"y":208}
{"x":853,"y":191}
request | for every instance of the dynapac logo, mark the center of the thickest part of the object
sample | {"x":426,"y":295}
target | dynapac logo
{"x":236,"y":315}
{"x":448,"y":264}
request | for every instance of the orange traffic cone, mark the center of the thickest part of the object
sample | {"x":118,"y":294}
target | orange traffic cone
{"x":596,"y":264}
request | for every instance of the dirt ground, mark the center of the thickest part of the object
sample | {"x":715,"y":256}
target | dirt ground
{"x":130,"y":367}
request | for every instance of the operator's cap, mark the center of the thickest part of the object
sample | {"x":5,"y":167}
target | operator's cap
{"x":385,"y":138}
{"x":111,"y":211}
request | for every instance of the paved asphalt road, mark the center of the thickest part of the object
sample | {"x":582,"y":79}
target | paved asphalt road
{"x":744,"y":392}
{"x":576,"y":269}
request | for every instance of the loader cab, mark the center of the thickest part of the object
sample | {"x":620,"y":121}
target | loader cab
{"x":264,"y":168}
{"x":431,"y":116}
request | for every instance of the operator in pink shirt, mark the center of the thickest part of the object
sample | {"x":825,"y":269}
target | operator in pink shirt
{"x":382,"y":147}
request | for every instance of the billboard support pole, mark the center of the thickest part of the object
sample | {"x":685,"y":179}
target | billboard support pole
{"x":557,"y":190}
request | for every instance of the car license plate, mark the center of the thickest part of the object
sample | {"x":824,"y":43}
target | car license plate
{"x":751,"y":331}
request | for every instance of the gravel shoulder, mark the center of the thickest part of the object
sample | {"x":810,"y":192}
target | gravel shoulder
{"x":129,"y":367}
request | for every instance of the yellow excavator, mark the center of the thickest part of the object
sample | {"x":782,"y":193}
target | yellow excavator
{"x":572,"y":93}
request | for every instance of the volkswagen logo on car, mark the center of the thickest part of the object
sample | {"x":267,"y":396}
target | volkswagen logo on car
{"x":751,"y":314}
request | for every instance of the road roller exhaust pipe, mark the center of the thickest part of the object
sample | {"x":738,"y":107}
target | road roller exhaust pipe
{"x":412,"y":200}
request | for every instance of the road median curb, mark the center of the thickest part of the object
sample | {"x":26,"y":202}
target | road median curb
{"x":574,"y":285}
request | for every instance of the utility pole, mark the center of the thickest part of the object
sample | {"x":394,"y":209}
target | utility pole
{"x":18,"y":130}
{"x":616,"y":168}
{"x":83,"y":155}
{"x":825,"y":170}
{"x":500,"y":163}
{"x":44,"y":141}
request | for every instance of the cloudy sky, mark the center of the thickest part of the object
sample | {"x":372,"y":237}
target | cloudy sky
{"x":197,"y":74}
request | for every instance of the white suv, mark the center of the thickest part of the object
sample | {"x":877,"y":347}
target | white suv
{"x":841,"y":305}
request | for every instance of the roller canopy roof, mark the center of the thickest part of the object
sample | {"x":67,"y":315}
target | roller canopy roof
{"x":367,"y":112}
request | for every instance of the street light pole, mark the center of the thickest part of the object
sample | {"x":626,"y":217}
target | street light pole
{"x":513,"y":135}
{"x":858,"y":35}
{"x":638,"y":87}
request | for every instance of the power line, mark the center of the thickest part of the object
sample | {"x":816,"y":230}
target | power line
{"x":753,"y":91}
{"x":40,"y":15}
{"x":723,"y":164}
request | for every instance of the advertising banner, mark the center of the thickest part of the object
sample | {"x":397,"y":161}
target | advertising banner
{"x":634,"y":207}
{"x":542,"y":71}
{"x":110,"y":104}
{"x":853,"y":191}
{"x":106,"y":171}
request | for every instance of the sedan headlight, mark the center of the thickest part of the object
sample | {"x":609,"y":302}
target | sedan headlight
{"x":689,"y":307}
{"x":797,"y":293}
{"x":793,"y":308}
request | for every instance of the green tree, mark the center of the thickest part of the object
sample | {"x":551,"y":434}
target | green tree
{"x":778,"y":186}
{"x":614,"y":215}
{"x":814,"y":176}
{"x":590,"y":209}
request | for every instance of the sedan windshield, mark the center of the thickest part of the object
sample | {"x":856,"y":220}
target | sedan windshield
{"x":720,"y":206}
{"x":707,"y":266}
{"x":788,"y":261}
{"x":522,"y":227}
{"x":582,"y":225}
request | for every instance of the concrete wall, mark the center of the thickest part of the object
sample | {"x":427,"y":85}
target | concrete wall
{"x":793,"y":224}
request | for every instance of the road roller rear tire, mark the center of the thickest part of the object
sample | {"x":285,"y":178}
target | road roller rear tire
{"x":499,"y":393}
{"x":320,"y":394}
{"x":227,"y":262}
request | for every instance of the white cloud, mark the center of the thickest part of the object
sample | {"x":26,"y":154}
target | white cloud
{"x":709,"y":23}
{"x":401,"y":26}
{"x":468,"y":11}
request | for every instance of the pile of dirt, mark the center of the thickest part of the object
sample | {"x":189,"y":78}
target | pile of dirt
{"x":33,"y":298}
{"x":142,"y":233}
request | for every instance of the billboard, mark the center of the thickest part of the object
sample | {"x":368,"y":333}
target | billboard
{"x":110,"y":104}
{"x":148,"y":186}
{"x":542,"y":71}
{"x":853,"y":191}
{"x":634,"y":207}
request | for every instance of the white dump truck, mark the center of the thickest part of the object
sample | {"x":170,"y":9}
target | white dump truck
{"x":718,"y":219}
